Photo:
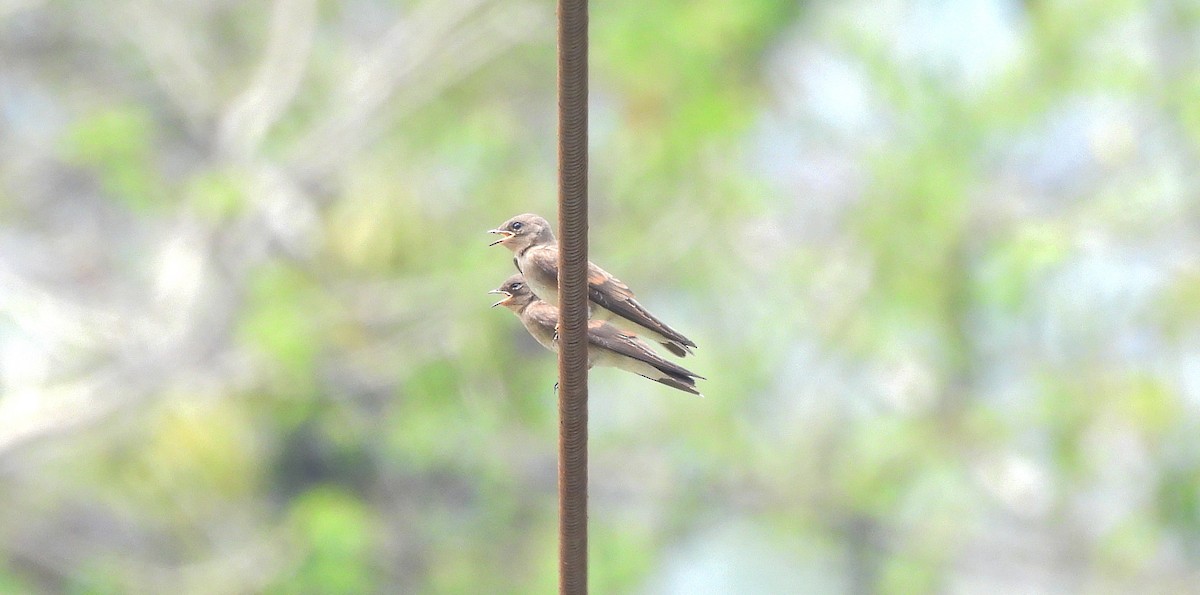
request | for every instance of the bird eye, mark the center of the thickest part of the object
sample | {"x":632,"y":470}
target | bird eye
{"x":515,"y":225}
{"x":515,"y":287}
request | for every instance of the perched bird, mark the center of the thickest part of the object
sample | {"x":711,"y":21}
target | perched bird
{"x":536,"y":256}
{"x":607,"y":344}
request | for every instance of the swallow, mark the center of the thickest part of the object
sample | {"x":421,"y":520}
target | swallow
{"x":607,"y":345}
{"x":536,"y":256}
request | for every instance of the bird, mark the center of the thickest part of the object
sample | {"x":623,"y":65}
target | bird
{"x":535,"y":252}
{"x":607,"y":345}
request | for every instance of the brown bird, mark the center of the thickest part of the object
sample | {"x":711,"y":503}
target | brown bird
{"x":536,"y":256}
{"x":607,"y":344}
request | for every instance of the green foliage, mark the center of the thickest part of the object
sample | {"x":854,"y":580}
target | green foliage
{"x":683,"y":72}
{"x":337,"y":532}
{"x":279,"y":321}
{"x":1150,"y":405}
{"x":622,"y":555}
{"x":904,"y":574}
{"x":99,"y":577}
{"x":217,"y":195}
{"x":1125,"y":552}
{"x":1018,"y":263}
{"x":427,"y":428}
{"x":889,"y":300}
{"x":878,"y":462}
{"x":10,"y":582}
{"x":118,"y":145}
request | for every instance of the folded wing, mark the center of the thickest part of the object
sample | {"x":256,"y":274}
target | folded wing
{"x":630,"y":353}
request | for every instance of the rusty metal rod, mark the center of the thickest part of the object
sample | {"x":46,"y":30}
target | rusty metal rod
{"x":573,"y":295}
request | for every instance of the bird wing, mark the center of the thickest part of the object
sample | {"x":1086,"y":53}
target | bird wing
{"x":542,"y":314}
{"x":605,"y":291}
{"x":610,"y":293}
{"x":544,"y":264}
{"x":606,"y":336}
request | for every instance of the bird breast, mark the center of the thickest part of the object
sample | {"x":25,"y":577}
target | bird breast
{"x":544,"y":283}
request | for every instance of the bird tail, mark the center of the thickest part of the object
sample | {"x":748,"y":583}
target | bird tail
{"x":665,"y":372}
{"x":671,"y":339}
{"x":676,"y":348}
{"x":686,"y":384}
{"x":613,"y":347}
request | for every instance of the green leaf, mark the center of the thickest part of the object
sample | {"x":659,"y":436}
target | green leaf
{"x":117,"y":145}
{"x":282,"y":320}
{"x":337,"y":530}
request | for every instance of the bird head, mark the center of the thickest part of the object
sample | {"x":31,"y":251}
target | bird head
{"x":523,"y":231}
{"x":516,"y":293}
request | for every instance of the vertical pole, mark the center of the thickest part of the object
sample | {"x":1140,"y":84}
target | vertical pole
{"x":573,"y":295}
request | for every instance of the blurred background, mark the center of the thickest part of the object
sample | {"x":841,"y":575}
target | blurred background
{"x":940,"y":258}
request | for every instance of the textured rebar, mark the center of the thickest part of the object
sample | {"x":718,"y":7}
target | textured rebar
{"x":573,"y":295}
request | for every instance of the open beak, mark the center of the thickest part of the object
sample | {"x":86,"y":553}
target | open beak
{"x":504,"y":232}
{"x":507,"y":296}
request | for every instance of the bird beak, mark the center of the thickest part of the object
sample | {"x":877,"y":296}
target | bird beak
{"x":504,"y":232}
{"x":507,"y":296}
